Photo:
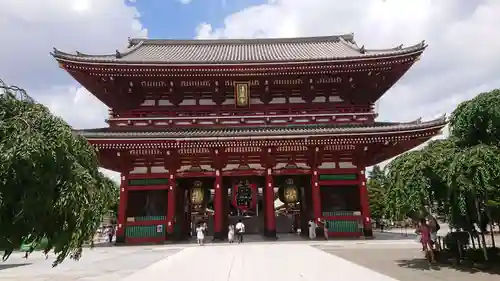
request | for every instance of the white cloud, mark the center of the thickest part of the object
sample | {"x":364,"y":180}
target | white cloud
{"x":32,"y":28}
{"x":463,"y":39}
{"x":462,"y":60}
{"x":185,"y":1}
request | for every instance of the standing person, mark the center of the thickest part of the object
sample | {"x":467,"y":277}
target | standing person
{"x":230,"y":234}
{"x":434,"y":227}
{"x":240,"y":230}
{"x":325,"y":229}
{"x":200,"y":235}
{"x":425,"y":238}
{"x":382,"y":224}
{"x":312,"y":229}
{"x":111,"y":233}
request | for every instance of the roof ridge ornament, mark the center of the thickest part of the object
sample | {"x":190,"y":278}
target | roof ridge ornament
{"x":118,"y":54}
{"x":362,"y":49}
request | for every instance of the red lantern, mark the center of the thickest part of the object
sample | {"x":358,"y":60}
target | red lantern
{"x":244,"y":196}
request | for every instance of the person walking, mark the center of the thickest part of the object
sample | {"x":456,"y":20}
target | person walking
{"x":240,"y":230}
{"x":200,"y":235}
{"x":325,"y":229}
{"x":111,"y":233}
{"x":312,"y":229}
{"x":230,"y":234}
{"x":425,"y":238}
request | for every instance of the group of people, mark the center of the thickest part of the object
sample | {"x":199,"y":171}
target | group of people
{"x":238,"y":231}
{"x":313,"y":226}
{"x":427,"y":230}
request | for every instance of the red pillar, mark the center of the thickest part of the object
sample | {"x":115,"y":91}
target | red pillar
{"x":171,"y":203}
{"x":270,"y":219}
{"x":365,"y":203}
{"x":316,"y":195}
{"x":218,"y":207}
{"x":122,"y":209}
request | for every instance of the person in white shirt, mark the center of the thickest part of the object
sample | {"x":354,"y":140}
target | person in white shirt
{"x":240,"y":230}
{"x":230,"y":234}
{"x":200,"y":236}
{"x":312,"y":229}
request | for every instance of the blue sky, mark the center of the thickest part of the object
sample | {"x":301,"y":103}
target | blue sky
{"x":173,"y":19}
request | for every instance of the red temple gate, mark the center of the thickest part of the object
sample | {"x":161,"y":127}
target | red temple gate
{"x":257,"y":111}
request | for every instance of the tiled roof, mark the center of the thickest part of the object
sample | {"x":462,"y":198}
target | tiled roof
{"x":263,"y":131}
{"x":219,"y":51}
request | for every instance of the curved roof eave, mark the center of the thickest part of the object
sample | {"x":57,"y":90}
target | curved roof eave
{"x":123,"y":58}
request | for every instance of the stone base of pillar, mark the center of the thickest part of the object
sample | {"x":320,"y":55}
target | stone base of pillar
{"x":270,"y":234}
{"x":120,"y":240}
{"x":218,"y":236}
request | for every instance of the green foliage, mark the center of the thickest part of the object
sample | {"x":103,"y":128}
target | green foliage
{"x":407,"y":184}
{"x":50,"y":186}
{"x":458,"y":177}
{"x":376,"y":192}
{"x":477,"y":121}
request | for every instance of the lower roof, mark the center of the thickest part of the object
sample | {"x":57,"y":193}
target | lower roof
{"x":216,"y":133}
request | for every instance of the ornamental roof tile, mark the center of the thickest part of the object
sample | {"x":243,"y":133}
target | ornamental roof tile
{"x":230,"y":51}
{"x":262,"y":131}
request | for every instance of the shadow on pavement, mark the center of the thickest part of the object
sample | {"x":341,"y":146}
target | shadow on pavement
{"x":423,"y":264}
{"x":7,"y":266}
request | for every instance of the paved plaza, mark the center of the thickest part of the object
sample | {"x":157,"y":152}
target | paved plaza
{"x":384,"y":259}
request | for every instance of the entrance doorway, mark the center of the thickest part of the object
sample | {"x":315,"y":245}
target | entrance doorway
{"x":245,"y":202}
{"x":293,"y":203}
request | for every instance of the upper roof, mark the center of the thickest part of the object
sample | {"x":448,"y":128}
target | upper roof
{"x":230,"y":51}
{"x":263,"y":131}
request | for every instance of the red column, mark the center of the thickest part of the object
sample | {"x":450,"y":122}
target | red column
{"x":270,"y":219}
{"x":218,"y":206}
{"x":122,"y":209}
{"x":365,"y":203}
{"x":316,"y":195}
{"x":171,"y":202}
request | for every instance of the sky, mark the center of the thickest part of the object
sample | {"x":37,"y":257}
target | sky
{"x":462,"y":60}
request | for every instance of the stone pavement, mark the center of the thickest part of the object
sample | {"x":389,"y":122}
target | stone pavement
{"x":379,"y":260}
{"x":295,"y":260}
{"x":255,"y":261}
{"x":104,"y":263}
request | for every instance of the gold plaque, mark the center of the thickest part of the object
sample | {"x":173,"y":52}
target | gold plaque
{"x":242,"y":94}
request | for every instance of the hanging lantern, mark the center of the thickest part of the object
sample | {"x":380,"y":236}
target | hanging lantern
{"x":289,"y":193}
{"x":245,"y":196}
{"x":198,"y":195}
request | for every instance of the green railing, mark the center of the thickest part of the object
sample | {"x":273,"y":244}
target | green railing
{"x":143,"y":231}
{"x":344,"y":226}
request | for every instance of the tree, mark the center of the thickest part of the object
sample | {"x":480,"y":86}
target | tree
{"x":50,"y":186}
{"x":407,"y":185}
{"x":376,"y":192}
{"x":458,"y":177}
{"x":477,"y":121}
